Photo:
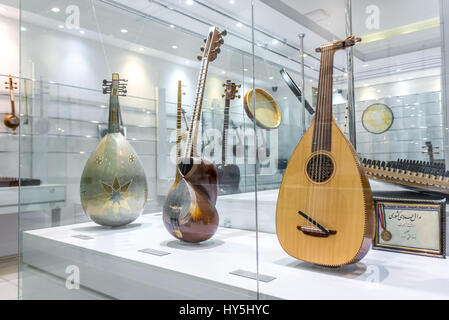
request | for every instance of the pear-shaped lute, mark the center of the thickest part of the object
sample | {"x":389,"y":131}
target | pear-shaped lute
{"x":113,"y":184}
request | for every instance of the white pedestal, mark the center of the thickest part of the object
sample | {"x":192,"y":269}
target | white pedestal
{"x":110,"y":263}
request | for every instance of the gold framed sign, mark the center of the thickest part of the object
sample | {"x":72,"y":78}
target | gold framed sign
{"x":411,"y":226}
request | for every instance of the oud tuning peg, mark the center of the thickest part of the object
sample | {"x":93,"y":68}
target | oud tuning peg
{"x":199,"y":57}
{"x":223,"y":95}
{"x":205,"y":40}
{"x":220,"y":42}
{"x":202,"y":48}
{"x":224,"y":33}
{"x":239,"y":86}
{"x":224,"y":85}
{"x":239,"y":96}
{"x":216,"y":51}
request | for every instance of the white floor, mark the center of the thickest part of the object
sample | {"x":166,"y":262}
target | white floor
{"x":8,"y":279}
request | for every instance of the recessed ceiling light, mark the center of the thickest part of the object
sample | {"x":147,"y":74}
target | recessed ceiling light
{"x":174,"y":46}
{"x":124,"y":31}
{"x":2,"y":9}
{"x":245,"y":69}
{"x":366,"y":65}
{"x":23,"y":29}
{"x":55,"y":9}
{"x":310,"y":80}
{"x":223,"y":72}
{"x":61,"y":26}
{"x":172,"y":26}
{"x":239,"y":25}
{"x":231,"y":1}
{"x":271,"y":78}
{"x":141,"y":49}
{"x":398,"y":70}
{"x":187,"y":62}
{"x":345,"y":74}
{"x":82,"y":31}
{"x":274,"y":41}
{"x":189,"y":2}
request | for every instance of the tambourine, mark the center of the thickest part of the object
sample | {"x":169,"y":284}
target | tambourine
{"x":268,"y":116}
{"x":295,"y":89}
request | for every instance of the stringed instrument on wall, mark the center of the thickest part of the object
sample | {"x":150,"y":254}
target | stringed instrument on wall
{"x":189,"y":212}
{"x":228,"y":174}
{"x":325,"y":211}
{"x":11,"y":120}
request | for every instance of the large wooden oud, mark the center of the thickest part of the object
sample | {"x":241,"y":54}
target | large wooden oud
{"x":325,"y":209}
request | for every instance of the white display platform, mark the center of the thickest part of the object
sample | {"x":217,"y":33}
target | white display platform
{"x":110,"y":263}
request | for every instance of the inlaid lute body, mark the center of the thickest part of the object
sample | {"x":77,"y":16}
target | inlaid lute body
{"x":325,"y":208}
{"x":189,"y":212}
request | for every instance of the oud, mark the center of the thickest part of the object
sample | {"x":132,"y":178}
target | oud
{"x":189,"y":212}
{"x":228,"y":174}
{"x":113,"y":186}
{"x":11,"y":120}
{"x":324,"y":212}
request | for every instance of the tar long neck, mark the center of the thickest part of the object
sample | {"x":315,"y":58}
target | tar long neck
{"x":115,"y":117}
{"x":191,"y":146}
{"x":322,"y":133}
{"x":178,"y":123}
{"x":225,"y":131}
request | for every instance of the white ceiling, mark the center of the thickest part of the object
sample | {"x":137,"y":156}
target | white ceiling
{"x":275,"y":35}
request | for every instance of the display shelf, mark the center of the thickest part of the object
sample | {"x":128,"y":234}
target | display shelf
{"x":107,"y":257}
{"x":46,"y":196}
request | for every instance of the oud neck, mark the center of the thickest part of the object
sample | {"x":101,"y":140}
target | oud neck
{"x":115,"y":118}
{"x":191,"y":148}
{"x":323,"y":118}
{"x":225,"y":131}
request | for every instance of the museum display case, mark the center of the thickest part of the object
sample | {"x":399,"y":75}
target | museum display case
{"x":241,"y":149}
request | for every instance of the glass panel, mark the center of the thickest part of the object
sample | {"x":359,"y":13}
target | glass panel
{"x":398,"y":115}
{"x":67,"y":49}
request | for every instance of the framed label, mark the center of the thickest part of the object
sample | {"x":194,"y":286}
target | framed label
{"x":416,"y":227}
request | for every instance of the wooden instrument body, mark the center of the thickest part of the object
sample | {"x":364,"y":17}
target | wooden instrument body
{"x":343,"y":203}
{"x":189,"y":212}
{"x":11,"y":121}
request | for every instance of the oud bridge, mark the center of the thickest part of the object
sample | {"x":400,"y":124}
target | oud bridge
{"x":317,"y":230}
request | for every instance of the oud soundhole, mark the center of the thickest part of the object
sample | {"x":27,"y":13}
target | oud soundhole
{"x":320,"y":168}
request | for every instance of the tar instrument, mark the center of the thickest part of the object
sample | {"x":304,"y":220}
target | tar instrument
{"x":11,"y":120}
{"x":266,"y":113}
{"x":325,"y":209}
{"x":189,"y":212}
{"x":228,"y":174}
